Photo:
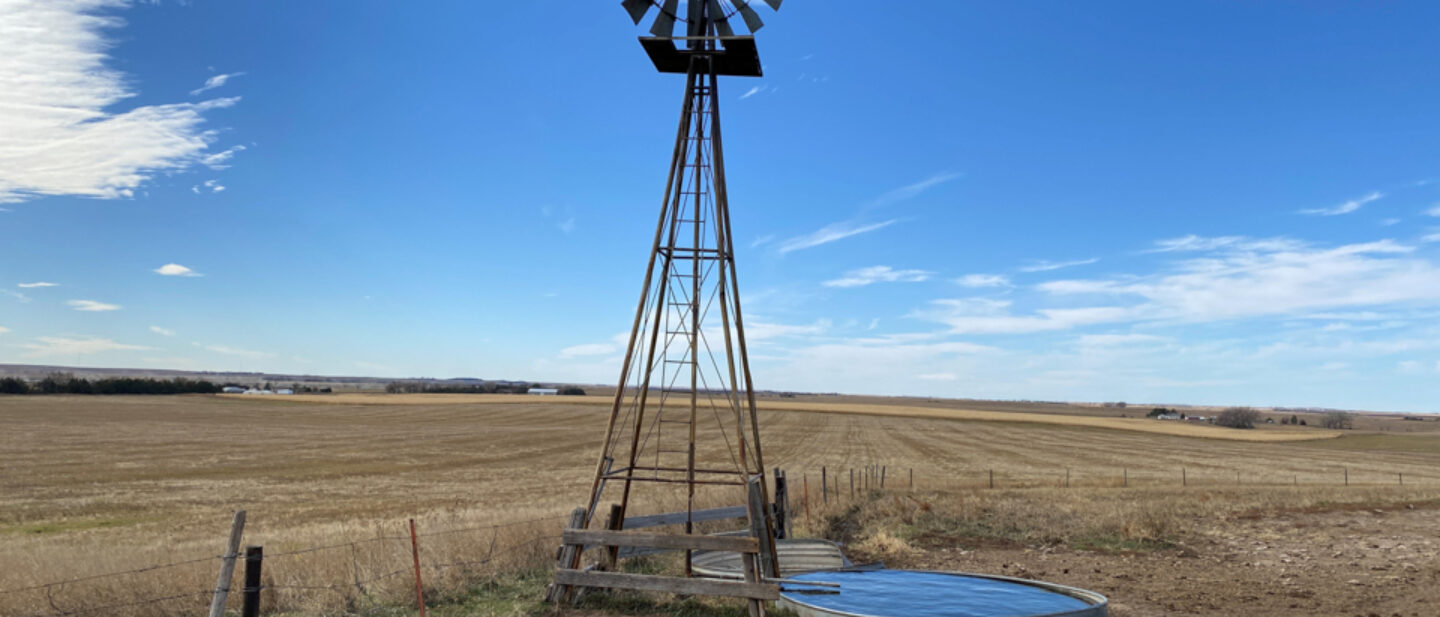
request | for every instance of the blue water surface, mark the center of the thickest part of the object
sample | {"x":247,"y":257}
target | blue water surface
{"x":903,"y":593}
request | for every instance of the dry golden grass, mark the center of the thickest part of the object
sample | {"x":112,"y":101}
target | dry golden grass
{"x":1143,"y":425}
{"x":102,"y":484}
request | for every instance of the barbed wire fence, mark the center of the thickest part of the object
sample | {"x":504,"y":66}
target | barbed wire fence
{"x":350,"y":573}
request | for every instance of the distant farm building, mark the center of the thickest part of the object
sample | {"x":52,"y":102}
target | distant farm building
{"x":543,"y":391}
{"x":284,"y":391}
{"x":232,"y":390}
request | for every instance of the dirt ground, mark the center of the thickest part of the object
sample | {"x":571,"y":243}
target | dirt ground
{"x":1362,"y":562}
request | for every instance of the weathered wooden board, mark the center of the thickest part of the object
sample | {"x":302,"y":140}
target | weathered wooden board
{"x":678,"y":518}
{"x":686,"y":586}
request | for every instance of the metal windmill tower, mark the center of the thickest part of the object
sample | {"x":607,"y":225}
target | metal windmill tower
{"x":683,"y":416}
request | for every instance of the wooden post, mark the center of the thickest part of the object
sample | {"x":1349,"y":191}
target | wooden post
{"x":566,"y":558}
{"x":760,"y":528}
{"x":1067,"y":477}
{"x":254,"y":555}
{"x":613,"y":522}
{"x":852,"y":482}
{"x":992,"y":478}
{"x":1347,"y":476}
{"x":1402,"y":479}
{"x":805,"y":480}
{"x":912,"y":478}
{"x":782,"y":504}
{"x":1297,"y":480}
{"x":1237,"y":477}
{"x":227,"y":565}
{"x":824,"y":486}
{"x":1183,"y":480}
{"x":415,"y":553}
{"x":882,"y":477}
{"x":1125,"y":480}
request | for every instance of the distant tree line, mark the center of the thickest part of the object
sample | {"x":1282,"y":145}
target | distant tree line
{"x":1238,"y":417}
{"x":66,"y":383}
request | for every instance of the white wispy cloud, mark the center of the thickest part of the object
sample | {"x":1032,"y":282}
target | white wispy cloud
{"x":588,"y":349}
{"x":37,"y":284}
{"x":214,"y":82}
{"x":910,"y":191}
{"x":831,"y":233}
{"x":1046,"y":266}
{"x":983,"y":280}
{"x":162,"y":331}
{"x":3,"y":329}
{"x":1431,"y":237}
{"x":61,"y":346}
{"x":16,"y":295}
{"x":176,"y":270}
{"x":878,"y":274}
{"x":221,"y":160}
{"x":1433,"y":211}
{"x":762,"y":241}
{"x":1110,"y":340}
{"x":752,"y":92}
{"x":235,"y":351}
{"x":761,"y":331}
{"x":1344,"y":208}
{"x":91,"y":305}
{"x":1276,"y":278}
{"x":991,"y":316}
{"x":213,"y":186}
{"x":61,"y":136}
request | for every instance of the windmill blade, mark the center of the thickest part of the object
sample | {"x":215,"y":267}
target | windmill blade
{"x":717,"y":17}
{"x":665,"y":21}
{"x":774,"y":4}
{"x":637,"y":9}
{"x":752,"y":20}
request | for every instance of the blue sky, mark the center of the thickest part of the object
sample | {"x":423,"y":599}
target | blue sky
{"x":1207,"y":202}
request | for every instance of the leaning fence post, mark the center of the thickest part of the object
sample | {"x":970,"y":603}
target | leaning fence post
{"x":227,"y":565}
{"x":415,"y":553}
{"x":254,"y":555}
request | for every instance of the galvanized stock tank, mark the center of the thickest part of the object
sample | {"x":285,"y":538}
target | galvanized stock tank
{"x":915,"y":593}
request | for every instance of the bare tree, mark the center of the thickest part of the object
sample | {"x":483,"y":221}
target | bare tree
{"x":1238,"y":417}
{"x":1338,"y":420}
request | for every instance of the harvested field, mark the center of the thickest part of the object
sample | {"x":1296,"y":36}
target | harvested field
{"x":1142,"y":425}
{"x":103,"y":484}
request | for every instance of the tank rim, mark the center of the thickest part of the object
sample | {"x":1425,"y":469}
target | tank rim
{"x":1097,"y":601}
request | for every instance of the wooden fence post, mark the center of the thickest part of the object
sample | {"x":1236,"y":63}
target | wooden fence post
{"x":805,"y":482}
{"x":227,"y":565}
{"x":1125,"y":481}
{"x":882,"y":477}
{"x":852,"y":482}
{"x":415,"y":553}
{"x":1402,"y":478}
{"x":1067,"y":477}
{"x":254,"y":555}
{"x":912,"y":478}
{"x":992,"y":478}
{"x":1347,"y":476}
{"x":566,"y":558}
{"x":1183,"y":480}
{"x":824,"y":486}
{"x":613,"y":522}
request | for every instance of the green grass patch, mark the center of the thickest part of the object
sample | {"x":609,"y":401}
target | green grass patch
{"x":69,"y":525}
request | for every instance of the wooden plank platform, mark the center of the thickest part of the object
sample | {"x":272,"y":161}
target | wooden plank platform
{"x":686,"y":586}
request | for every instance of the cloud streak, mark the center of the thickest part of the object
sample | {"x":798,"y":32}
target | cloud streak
{"x":92,"y":306}
{"x":36,"y":285}
{"x":1046,"y":266}
{"x":60,"y":346}
{"x":1344,"y":208}
{"x":214,"y":82}
{"x":910,"y":191}
{"x":55,"y":94}
{"x":878,"y":274}
{"x":832,"y":233}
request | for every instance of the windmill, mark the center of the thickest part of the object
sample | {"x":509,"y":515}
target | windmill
{"x":683,"y":424}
